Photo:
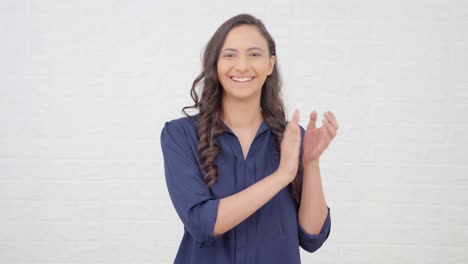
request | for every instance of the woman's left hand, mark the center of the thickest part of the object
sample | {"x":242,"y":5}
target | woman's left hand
{"x":316,"y":140}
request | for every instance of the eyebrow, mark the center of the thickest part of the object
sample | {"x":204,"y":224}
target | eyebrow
{"x":249,"y":49}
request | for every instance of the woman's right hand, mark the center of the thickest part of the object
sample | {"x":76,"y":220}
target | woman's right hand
{"x":290,"y":150}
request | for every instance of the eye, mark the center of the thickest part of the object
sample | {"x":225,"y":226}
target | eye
{"x":255,"y":54}
{"x":229,"y":55}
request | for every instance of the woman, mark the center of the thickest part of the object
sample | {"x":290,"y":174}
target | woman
{"x":227,"y":167}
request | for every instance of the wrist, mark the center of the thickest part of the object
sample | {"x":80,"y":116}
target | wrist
{"x":281,"y":178}
{"x":311,"y":163}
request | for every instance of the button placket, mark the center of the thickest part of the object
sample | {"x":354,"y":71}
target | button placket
{"x":241,"y":232}
{"x":246,"y":175}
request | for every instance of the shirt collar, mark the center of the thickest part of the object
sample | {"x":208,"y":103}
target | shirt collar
{"x":263,"y":127}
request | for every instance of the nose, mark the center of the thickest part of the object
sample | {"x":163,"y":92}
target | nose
{"x":242,"y":64}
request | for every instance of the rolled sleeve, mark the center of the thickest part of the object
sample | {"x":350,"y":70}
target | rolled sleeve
{"x":192,"y":200}
{"x":310,"y":242}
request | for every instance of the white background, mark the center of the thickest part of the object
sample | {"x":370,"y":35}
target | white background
{"x":86,"y":86}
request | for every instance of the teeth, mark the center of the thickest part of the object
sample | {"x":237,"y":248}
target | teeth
{"x":241,"y":79}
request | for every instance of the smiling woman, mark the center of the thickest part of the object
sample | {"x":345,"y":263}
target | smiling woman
{"x":234,"y":171}
{"x":244,"y":63}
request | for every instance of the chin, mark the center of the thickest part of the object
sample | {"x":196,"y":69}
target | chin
{"x":245,"y":94}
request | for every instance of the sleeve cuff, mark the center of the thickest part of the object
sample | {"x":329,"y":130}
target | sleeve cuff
{"x":211,"y":212}
{"x":312,"y":242}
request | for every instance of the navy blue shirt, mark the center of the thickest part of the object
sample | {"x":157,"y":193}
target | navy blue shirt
{"x":271,"y":235}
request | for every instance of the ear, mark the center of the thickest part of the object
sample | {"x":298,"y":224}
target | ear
{"x":272,"y":63}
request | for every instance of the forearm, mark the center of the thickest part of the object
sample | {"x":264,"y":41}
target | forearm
{"x":234,"y":209}
{"x":313,"y":208}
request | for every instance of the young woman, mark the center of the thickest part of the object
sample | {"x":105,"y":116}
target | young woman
{"x":227,"y":167}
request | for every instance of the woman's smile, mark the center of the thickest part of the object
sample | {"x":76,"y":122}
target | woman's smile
{"x":244,"y":63}
{"x":242,"y":79}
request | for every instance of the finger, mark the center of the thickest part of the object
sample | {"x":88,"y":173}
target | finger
{"x":332,"y":119}
{"x":297,"y":129}
{"x":296,"y":117}
{"x":313,"y":119}
{"x":292,"y":126}
{"x":329,"y":127}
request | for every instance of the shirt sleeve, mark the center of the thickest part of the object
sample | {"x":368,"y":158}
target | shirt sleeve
{"x":189,"y":194}
{"x":310,"y":242}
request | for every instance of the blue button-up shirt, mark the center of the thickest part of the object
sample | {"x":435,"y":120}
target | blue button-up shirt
{"x":271,"y":235}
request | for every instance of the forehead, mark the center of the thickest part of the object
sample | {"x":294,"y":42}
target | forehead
{"x":243,"y":37}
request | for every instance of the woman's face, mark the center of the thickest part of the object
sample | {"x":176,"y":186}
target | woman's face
{"x":244,"y":63}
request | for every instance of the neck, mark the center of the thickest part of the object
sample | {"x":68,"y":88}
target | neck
{"x":239,"y":114}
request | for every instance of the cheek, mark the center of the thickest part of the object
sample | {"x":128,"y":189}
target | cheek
{"x":262,"y":67}
{"x":221,"y":69}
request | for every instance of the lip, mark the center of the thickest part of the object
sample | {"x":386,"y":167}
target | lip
{"x":253,"y":77}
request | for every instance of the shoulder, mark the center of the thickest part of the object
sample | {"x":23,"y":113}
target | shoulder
{"x":183,"y":128}
{"x":182,"y":123}
{"x":179,"y":139}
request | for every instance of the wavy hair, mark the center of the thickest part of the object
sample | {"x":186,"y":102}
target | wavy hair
{"x":209,"y":123}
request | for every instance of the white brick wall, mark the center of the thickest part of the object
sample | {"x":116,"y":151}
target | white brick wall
{"x":86,"y":86}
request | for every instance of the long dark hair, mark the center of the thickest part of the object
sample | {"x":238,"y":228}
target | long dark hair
{"x":209,"y":124}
